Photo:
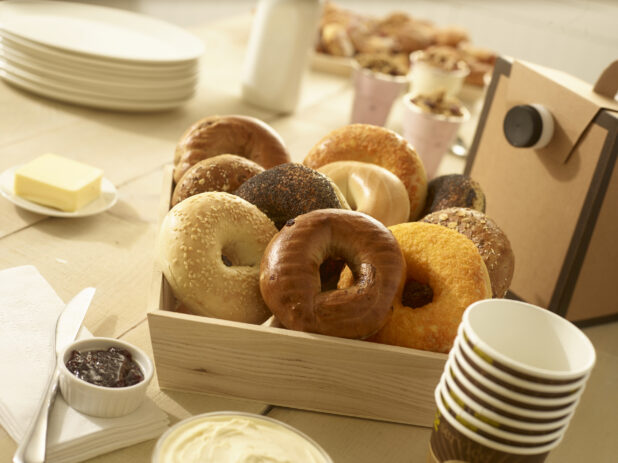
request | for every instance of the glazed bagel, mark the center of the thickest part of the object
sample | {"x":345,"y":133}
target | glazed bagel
{"x":242,"y":135}
{"x":290,"y":273}
{"x":291,"y":189}
{"x":225,"y":172}
{"x":454,"y":190}
{"x":444,"y":275}
{"x":375,"y":145}
{"x":370,"y":189}
{"x":209,"y":249}
{"x":490,"y":240}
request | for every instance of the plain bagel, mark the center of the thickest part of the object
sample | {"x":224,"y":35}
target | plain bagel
{"x":242,"y":135}
{"x":371,"y":189}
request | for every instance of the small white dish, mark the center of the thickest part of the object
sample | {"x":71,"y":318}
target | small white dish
{"x":108,"y":197}
{"x":101,"y":401}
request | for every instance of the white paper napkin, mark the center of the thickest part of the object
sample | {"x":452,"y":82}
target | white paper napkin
{"x":29,"y":308}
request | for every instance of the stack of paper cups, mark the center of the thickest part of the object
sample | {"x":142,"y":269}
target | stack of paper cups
{"x":511,"y":384}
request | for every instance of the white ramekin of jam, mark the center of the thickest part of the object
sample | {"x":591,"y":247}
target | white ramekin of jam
{"x":234,"y":437}
{"x":104,"y":377}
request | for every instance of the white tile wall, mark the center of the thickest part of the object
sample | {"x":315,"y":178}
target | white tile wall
{"x":576,"y":36}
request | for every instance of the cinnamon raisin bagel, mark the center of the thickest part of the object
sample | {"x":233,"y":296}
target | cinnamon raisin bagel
{"x":242,"y":135}
{"x":291,"y":189}
{"x":376,"y":145}
{"x":488,"y":237}
{"x":209,"y":249}
{"x":225,"y":172}
{"x":370,"y":189}
{"x":290,"y":273}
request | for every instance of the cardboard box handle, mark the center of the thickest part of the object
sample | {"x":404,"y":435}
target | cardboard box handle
{"x":607,"y":83}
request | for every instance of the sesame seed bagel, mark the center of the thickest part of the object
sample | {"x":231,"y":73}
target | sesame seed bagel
{"x":290,"y":273}
{"x":376,"y":145}
{"x":209,"y":249}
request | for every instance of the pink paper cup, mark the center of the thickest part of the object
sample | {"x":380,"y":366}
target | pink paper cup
{"x":374,"y":95}
{"x":426,"y":78}
{"x":431,"y":135}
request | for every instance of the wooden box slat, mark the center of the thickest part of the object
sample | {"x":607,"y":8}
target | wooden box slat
{"x":289,"y":368}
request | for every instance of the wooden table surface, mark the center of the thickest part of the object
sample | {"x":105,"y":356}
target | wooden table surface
{"x":113,"y":251}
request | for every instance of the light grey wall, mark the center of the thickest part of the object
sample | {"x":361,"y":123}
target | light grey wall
{"x":576,"y":36}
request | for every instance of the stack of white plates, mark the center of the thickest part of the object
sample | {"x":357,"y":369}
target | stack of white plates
{"x":97,"y":56}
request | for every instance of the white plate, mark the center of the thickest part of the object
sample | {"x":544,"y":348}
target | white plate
{"x":93,"y":102}
{"x":98,"y":31}
{"x":95,"y":64}
{"x":108,"y":198}
{"x":84,"y":75}
{"x":102,"y":91}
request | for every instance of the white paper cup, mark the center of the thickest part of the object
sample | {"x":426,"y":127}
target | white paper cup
{"x":461,"y":443}
{"x":509,"y":395}
{"x":496,"y":432}
{"x":501,"y":407}
{"x":427,"y":79}
{"x":374,"y":95}
{"x":528,"y":342}
{"x":508,"y":380}
{"x":431,"y":135}
{"x":496,"y":419}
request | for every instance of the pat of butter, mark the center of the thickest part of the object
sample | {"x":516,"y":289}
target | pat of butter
{"x":58,"y":182}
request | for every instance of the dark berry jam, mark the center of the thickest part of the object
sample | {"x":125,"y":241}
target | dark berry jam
{"x":113,"y":367}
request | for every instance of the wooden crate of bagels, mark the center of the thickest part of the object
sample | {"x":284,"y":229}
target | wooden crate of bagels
{"x":336,"y":284}
{"x":545,"y":152}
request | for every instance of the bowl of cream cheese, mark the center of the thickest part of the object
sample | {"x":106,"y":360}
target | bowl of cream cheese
{"x":236,"y":437}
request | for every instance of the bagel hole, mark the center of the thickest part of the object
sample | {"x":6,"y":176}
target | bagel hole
{"x":330,"y":270}
{"x":416,"y":294}
{"x":236,"y":254}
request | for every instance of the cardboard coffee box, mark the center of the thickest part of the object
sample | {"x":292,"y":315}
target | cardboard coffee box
{"x":558,"y":204}
{"x":288,"y":368}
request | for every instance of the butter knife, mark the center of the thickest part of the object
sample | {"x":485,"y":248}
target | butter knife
{"x":32,"y":447}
